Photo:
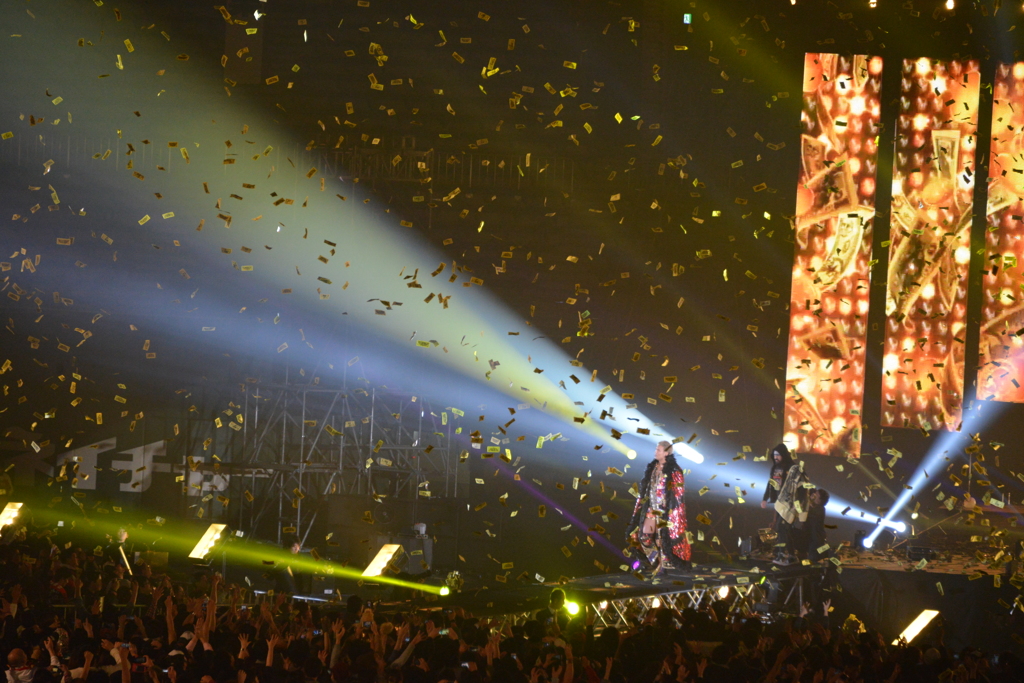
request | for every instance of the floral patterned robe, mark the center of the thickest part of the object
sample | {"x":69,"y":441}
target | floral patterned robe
{"x":669,"y":488}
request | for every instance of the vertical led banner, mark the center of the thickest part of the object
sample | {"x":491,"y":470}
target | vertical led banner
{"x":831,"y":272}
{"x":1001,"y":355}
{"x":929,"y":249}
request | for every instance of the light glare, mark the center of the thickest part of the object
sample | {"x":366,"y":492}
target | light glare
{"x":206,"y":543}
{"x":387,"y":552}
{"x":922,"y":620}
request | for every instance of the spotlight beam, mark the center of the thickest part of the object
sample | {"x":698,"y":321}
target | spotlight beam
{"x":184,"y":538}
{"x":931,"y":463}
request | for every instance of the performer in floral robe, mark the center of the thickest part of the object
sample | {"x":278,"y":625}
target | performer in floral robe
{"x":658,"y":526}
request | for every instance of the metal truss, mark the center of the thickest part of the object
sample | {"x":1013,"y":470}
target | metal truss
{"x":296,"y":444}
{"x":624,"y":612}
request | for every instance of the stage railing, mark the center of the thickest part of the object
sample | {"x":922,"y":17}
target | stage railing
{"x":770,"y":596}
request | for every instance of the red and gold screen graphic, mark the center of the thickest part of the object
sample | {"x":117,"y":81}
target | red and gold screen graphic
{"x":929,"y":250}
{"x":1001,"y":353}
{"x":831,"y":273}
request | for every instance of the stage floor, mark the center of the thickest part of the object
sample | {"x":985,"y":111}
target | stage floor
{"x":883,"y":590}
{"x":483,"y":598}
{"x":956,"y":564}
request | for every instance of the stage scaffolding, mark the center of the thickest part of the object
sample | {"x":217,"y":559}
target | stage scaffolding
{"x":296,"y":444}
{"x":766,"y":594}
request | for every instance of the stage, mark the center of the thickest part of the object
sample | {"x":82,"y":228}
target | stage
{"x":884,"y":592}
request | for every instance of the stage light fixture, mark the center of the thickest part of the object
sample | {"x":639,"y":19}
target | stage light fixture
{"x":655,"y":603}
{"x":9,"y":514}
{"x":917,"y":625}
{"x":631,"y":454}
{"x":900,"y":527}
{"x":950,"y":4}
{"x":913,"y":515}
{"x":723,"y":592}
{"x":445,"y":590}
{"x":572,"y":607}
{"x":603,"y":604}
{"x":868,"y":542}
{"x":208,"y":541}
{"x":388,"y":552}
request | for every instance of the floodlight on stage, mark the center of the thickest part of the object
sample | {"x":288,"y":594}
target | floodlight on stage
{"x":900,"y":527}
{"x":655,"y":603}
{"x":388,"y":552}
{"x":723,"y":592}
{"x":9,"y":514}
{"x":917,"y":625}
{"x":445,"y":590}
{"x":603,"y":604}
{"x":572,"y":607}
{"x":207,"y":542}
{"x":631,"y":454}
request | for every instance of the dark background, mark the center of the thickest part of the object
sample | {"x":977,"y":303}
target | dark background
{"x":751,"y":51}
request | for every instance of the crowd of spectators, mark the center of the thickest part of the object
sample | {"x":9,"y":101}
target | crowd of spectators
{"x":72,"y":615}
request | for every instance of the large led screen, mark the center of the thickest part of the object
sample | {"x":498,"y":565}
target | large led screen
{"x":1001,"y":353}
{"x":929,"y":248}
{"x":831,"y":267}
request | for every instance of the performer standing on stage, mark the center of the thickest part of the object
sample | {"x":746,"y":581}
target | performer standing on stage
{"x":658,"y":525}
{"x":814,"y":533}
{"x":781,"y":462}
{"x":792,"y":504}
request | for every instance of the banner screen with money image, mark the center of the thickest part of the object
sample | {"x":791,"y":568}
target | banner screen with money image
{"x":831,"y":272}
{"x":929,"y":249}
{"x":1001,"y":356}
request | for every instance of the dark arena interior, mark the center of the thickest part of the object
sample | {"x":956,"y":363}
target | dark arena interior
{"x":560,"y":341}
